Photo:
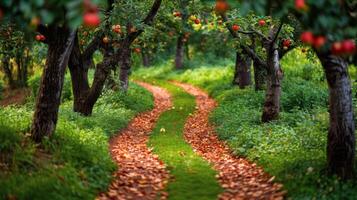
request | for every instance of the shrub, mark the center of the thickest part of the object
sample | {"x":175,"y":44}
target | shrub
{"x":35,"y":80}
{"x":300,"y":94}
{"x":74,"y":163}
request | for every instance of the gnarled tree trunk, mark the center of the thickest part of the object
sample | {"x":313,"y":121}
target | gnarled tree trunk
{"x":273,"y":92}
{"x":79,"y":76}
{"x":341,"y":134}
{"x":242,"y":76}
{"x":180,"y":52}
{"x":85,"y":96}
{"x":260,"y":76}
{"x":60,"y":44}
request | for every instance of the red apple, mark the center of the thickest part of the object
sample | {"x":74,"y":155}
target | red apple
{"x":197,"y":21}
{"x":319,"y":41}
{"x":307,"y":37}
{"x":221,"y":6}
{"x":137,"y":50}
{"x":300,"y":5}
{"x":91,"y":19}
{"x":348,"y":47}
{"x":177,"y":14}
{"x":38,"y":37}
{"x":235,"y":27}
{"x":337,"y":48}
{"x":116,"y":28}
{"x":262,"y":22}
{"x":287,"y":43}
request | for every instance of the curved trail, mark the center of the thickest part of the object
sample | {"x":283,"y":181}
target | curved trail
{"x":141,"y":175}
{"x":240,"y":178}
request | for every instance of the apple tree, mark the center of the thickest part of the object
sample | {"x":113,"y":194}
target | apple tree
{"x":56,"y":23}
{"x":330,"y":29}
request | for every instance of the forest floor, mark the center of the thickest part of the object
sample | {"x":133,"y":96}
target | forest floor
{"x":160,"y":154}
{"x":14,"y":96}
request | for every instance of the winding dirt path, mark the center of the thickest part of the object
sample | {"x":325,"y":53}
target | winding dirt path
{"x":141,"y":175}
{"x":240,"y":178}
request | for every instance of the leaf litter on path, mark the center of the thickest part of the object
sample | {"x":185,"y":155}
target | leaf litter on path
{"x":240,"y":178}
{"x":140,"y":175}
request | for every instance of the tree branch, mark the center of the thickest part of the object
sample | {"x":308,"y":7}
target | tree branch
{"x":277,"y":32}
{"x":147,"y":21}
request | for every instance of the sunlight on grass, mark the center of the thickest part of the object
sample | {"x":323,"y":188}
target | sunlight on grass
{"x":194,"y":178}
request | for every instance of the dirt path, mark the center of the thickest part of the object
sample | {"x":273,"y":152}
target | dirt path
{"x":240,"y":178}
{"x":141,"y":175}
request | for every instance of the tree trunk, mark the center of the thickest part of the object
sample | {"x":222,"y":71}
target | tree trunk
{"x":8,"y":72}
{"x":146,"y":59}
{"x":187,"y":52}
{"x":242,"y":71}
{"x":22,"y":70}
{"x":180,"y":51}
{"x":125,"y":67}
{"x":87,"y":103}
{"x":272,"y":99}
{"x":341,"y":134}
{"x":60,"y":44}
{"x":79,"y":77}
{"x":260,"y":76}
{"x":85,"y":96}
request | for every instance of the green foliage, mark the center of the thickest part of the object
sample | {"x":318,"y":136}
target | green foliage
{"x":1,"y":88}
{"x":35,"y":80}
{"x":308,"y":66}
{"x":49,"y":12}
{"x":74,"y":163}
{"x":293,"y":149}
{"x":303,"y":95}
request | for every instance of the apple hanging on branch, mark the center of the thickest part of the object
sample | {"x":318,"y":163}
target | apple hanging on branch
{"x":235,"y":27}
{"x":91,"y":17}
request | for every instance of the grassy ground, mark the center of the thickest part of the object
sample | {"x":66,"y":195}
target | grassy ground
{"x":73,"y":164}
{"x":194,"y":178}
{"x":292,"y":148}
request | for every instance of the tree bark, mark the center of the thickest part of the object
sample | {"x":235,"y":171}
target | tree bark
{"x":125,"y":67}
{"x":8,"y":72}
{"x":273,"y":92}
{"x":242,"y":76}
{"x":146,"y":59}
{"x":180,"y":51}
{"x":22,"y":64}
{"x":60,"y":44}
{"x":260,"y":76}
{"x":79,"y":77}
{"x":85,"y":96}
{"x":341,"y":134}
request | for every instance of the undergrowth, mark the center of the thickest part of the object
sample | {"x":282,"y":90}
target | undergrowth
{"x":75,"y":162}
{"x":293,"y":148}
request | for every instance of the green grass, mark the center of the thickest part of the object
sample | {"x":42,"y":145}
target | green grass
{"x":293,"y":148}
{"x":194,"y":177}
{"x":75,"y":162}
